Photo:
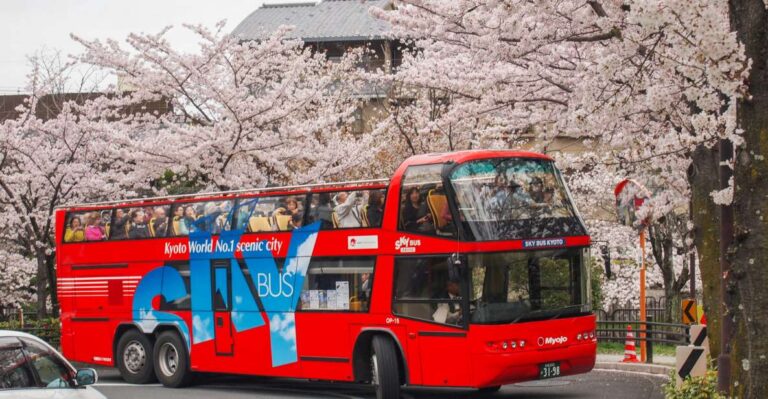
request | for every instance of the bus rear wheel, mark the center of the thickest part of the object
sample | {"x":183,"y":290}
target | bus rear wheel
{"x":171,"y":360}
{"x":385,"y":376}
{"x":134,"y":358}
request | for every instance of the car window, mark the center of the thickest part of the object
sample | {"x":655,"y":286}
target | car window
{"x":50,"y":368}
{"x":14,"y":371}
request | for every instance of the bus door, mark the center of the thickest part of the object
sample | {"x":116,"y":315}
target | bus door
{"x":222,"y":308}
{"x":431,"y":290}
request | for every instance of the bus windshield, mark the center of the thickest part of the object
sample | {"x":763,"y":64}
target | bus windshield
{"x":513,"y":198}
{"x":508,"y":287}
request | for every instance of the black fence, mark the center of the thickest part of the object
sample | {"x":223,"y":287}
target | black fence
{"x":612,"y":326}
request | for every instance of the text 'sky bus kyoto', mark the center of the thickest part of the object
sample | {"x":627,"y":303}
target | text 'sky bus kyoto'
{"x":466,"y":269}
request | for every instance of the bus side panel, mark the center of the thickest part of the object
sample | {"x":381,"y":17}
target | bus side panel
{"x":103,"y":299}
{"x":323,"y":344}
{"x":251,"y":355}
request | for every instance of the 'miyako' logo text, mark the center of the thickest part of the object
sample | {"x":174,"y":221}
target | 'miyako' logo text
{"x":552,"y":340}
{"x":405,"y":244}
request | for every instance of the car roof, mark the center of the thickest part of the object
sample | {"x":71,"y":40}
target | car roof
{"x":13,"y":333}
{"x":20,"y":334}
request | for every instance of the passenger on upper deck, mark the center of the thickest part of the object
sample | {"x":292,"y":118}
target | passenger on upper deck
{"x":160,"y":222}
{"x":416,"y":216}
{"x":118,"y":231}
{"x":74,"y":232}
{"x":375,"y":211}
{"x":296,"y":222}
{"x":322,"y":211}
{"x":94,"y":231}
{"x":346,"y":210}
{"x":138,"y":227}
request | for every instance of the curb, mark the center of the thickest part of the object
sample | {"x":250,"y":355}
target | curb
{"x":655,"y":369}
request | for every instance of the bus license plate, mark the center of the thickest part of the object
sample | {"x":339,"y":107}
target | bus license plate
{"x":549,"y":370}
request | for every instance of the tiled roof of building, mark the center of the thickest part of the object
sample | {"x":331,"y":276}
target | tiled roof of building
{"x":329,"y":20}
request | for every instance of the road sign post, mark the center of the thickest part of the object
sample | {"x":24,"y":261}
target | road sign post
{"x":690,"y":361}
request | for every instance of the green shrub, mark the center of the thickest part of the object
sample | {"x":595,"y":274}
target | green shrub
{"x":694,"y":387}
{"x":48,"y":329}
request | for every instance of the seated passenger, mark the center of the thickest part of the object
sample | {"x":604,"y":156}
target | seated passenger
{"x":536,"y":190}
{"x":346,"y":210}
{"x":139,"y":227}
{"x":189,"y":221}
{"x":74,"y":232}
{"x":296,"y":222}
{"x":292,"y":206}
{"x":375,"y":210}
{"x":159,"y":222}
{"x":416,"y":216}
{"x":94,"y":231}
{"x":323,"y":211}
{"x":118,"y":228}
{"x":178,"y":215}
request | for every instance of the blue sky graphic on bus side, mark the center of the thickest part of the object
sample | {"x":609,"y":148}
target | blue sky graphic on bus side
{"x":278,"y":291}
{"x":165,"y":281}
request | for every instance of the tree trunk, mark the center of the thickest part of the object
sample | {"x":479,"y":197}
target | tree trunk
{"x":50,"y":265}
{"x":749,"y":252}
{"x":42,"y":284}
{"x":703,"y":178}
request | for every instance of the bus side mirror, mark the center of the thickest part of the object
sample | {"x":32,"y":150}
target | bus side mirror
{"x":606,"y":252}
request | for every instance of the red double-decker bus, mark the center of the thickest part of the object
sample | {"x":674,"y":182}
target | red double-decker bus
{"x":466,"y":269}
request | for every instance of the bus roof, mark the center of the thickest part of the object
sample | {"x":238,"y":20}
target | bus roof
{"x":456,"y":156}
{"x":471,"y":155}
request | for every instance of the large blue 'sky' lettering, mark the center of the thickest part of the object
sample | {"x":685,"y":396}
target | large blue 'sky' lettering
{"x":280,"y":307}
{"x":278,"y":290}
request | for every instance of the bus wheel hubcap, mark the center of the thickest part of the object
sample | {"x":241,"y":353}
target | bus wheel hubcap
{"x":134,"y":356}
{"x":374,"y":371}
{"x":169,"y":359}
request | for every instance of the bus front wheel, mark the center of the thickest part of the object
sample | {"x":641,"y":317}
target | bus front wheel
{"x":171,"y":360}
{"x":134,"y":358}
{"x":385,"y":376}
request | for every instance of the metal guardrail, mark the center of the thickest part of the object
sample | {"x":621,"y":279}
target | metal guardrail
{"x":654,"y":333}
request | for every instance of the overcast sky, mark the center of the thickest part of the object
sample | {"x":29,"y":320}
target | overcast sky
{"x":27,"y":26}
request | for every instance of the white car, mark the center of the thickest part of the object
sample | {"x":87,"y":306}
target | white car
{"x":32,"y":369}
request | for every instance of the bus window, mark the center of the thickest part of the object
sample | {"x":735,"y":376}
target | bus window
{"x":338,"y":284}
{"x":531,"y":285}
{"x":87,"y":226}
{"x":283,"y":213}
{"x":423,"y":202}
{"x":139,"y":222}
{"x":512,"y":198}
{"x":347,"y":209}
{"x":429,"y":288}
{"x":211,"y":216}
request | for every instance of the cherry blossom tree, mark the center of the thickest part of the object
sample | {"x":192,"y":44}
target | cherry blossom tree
{"x":57,"y":151}
{"x":16,"y":285}
{"x":240,"y":114}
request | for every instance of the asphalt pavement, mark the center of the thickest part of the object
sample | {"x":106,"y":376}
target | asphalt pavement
{"x":597,"y":384}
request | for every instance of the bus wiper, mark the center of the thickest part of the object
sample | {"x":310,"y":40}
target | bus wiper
{"x":562,"y":310}
{"x":532,"y":314}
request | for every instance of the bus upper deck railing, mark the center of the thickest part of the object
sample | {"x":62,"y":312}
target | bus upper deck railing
{"x":228,"y":193}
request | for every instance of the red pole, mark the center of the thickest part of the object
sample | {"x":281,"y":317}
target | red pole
{"x":643,"y":326}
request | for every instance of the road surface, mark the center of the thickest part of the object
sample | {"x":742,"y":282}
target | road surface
{"x":597,"y":384}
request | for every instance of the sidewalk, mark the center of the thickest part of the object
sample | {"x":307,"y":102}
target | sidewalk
{"x":661,"y":366}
